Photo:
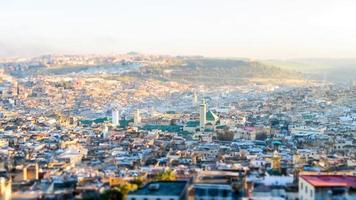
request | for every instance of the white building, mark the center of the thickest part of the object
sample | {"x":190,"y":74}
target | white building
{"x":320,"y":187}
{"x":202,"y":115}
{"x":137,"y":118}
{"x":115,"y":118}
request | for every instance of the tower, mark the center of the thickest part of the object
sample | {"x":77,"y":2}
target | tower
{"x":276,"y":161}
{"x":137,"y":117}
{"x":202,"y":115}
{"x":195,"y":99}
{"x":5,"y":188}
{"x":105,"y":132}
{"x":31,"y":172}
{"x":115,"y":118}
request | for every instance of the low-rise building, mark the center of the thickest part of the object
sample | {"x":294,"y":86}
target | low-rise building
{"x":320,"y":187}
{"x":161,"y":190}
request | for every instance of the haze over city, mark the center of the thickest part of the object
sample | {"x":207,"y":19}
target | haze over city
{"x":275,"y":29}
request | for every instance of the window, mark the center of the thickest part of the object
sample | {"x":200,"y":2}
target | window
{"x":199,"y":192}
{"x":311,"y":193}
{"x":225,"y":193}
{"x":213,"y":192}
{"x":306,"y":189}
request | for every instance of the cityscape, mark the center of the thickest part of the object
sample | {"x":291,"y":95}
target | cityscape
{"x":141,"y":125}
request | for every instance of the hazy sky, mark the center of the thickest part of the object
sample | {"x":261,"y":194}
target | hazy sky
{"x":238,"y":28}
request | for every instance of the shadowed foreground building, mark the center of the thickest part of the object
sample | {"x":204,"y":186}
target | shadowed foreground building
{"x":161,"y":190}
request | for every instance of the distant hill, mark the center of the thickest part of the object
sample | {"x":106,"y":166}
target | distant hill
{"x":222,"y":71}
{"x":340,"y":70}
{"x":199,"y":70}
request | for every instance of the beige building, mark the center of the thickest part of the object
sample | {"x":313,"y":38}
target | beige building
{"x":5,"y":189}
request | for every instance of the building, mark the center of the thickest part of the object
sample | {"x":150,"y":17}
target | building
{"x":202,"y":115}
{"x":218,"y":185}
{"x":213,"y":191}
{"x":115,"y":118}
{"x":191,"y":126}
{"x":161,"y":190}
{"x":276,"y":161}
{"x":31,"y":172}
{"x":211,"y":118}
{"x":195,"y":99}
{"x":105,"y":131}
{"x":323,"y":187}
{"x":137,"y":118}
{"x":5,"y":189}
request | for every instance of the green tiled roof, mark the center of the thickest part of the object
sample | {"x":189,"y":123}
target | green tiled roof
{"x":221,"y":127}
{"x":192,"y":123}
{"x":97,"y":121}
{"x":86,"y":122}
{"x":208,"y":130}
{"x":168,"y":128}
{"x":124,"y":122}
{"x":101,"y":120}
{"x":210,"y":116}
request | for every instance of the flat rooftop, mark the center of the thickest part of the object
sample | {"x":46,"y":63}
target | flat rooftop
{"x":330,"y":180}
{"x":162,"y":188}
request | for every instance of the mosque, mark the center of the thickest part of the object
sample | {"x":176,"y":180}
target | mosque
{"x":208,"y":121}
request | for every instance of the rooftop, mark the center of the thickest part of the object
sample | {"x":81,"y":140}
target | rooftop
{"x":210,"y":116}
{"x":164,"y":188}
{"x":330,"y":180}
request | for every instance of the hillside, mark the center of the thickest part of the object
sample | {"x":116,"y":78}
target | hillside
{"x":340,"y":70}
{"x":220,"y":71}
{"x":196,"y":70}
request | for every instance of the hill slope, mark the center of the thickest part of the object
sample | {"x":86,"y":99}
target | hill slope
{"x":221,"y":71}
{"x":340,"y":70}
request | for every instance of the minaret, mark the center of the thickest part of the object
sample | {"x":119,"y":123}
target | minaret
{"x":137,"y":118}
{"x":202,"y":115}
{"x":105,"y":131}
{"x":276,"y":161}
{"x":115,"y":118}
{"x":195,"y":99}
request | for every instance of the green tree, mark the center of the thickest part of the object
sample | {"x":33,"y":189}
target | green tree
{"x":112,"y":194}
{"x":118,"y":193}
{"x":167,"y":175}
{"x":225,"y":135}
{"x":127,"y":188}
{"x":138,"y":181}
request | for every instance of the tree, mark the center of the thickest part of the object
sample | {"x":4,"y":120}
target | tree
{"x":138,"y":181}
{"x":112,"y":194}
{"x":118,"y":193}
{"x":261,"y":136}
{"x":126,"y":188}
{"x":167,"y":175}
{"x":225,"y":135}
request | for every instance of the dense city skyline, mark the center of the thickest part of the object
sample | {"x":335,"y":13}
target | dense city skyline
{"x":177,"y":100}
